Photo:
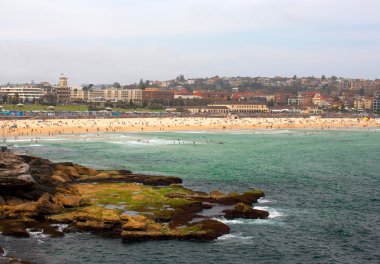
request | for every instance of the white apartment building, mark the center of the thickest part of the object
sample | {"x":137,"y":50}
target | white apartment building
{"x":107,"y":94}
{"x":25,"y":92}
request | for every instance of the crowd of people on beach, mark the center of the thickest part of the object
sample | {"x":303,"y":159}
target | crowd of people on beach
{"x":53,"y":127}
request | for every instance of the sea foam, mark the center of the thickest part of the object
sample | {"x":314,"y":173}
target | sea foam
{"x":235,"y":238}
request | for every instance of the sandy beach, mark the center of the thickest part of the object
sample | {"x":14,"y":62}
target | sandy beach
{"x":51,"y":127}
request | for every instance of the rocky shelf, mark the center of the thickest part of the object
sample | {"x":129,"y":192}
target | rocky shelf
{"x":36,"y":193}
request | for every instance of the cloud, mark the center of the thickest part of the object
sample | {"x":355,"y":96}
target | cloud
{"x":110,"y":40}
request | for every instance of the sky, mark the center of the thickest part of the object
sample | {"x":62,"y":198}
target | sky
{"x":107,"y":41}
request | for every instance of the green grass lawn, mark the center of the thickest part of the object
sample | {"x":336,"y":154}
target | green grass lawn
{"x":38,"y":107}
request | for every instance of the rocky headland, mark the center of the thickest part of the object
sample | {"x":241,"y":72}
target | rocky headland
{"x":37,"y":194}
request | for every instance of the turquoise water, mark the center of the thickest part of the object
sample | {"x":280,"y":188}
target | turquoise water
{"x":322,"y":190}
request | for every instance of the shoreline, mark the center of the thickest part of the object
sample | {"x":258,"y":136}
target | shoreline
{"x":54,"y":127}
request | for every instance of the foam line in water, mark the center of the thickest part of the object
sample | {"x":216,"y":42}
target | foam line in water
{"x":264,"y":201}
{"x":235,"y":238}
{"x":38,"y":235}
{"x":273,"y":213}
{"x":149,"y":142}
{"x":231,"y":222}
{"x":60,"y":227}
{"x":35,"y":145}
{"x":273,"y":132}
{"x":242,"y":221}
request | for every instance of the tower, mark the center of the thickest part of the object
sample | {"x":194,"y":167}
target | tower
{"x":62,"y":81}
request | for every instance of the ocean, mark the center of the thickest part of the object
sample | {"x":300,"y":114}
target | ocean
{"x":322,"y":192}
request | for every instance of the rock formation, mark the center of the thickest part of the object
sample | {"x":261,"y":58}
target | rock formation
{"x":36,"y":193}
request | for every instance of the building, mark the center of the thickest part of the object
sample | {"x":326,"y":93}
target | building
{"x":231,"y":108}
{"x":186,"y":95}
{"x":62,"y":91}
{"x":295,"y":100}
{"x":363,"y":103}
{"x":376,"y":103}
{"x":62,"y":81}
{"x":319,"y":100}
{"x":23,"y":92}
{"x":123,"y":95}
{"x":111,"y":94}
{"x":151,"y":95}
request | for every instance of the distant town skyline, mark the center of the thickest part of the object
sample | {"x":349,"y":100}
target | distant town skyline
{"x":101,"y":41}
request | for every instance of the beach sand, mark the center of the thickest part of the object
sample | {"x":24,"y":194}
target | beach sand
{"x":51,"y":127}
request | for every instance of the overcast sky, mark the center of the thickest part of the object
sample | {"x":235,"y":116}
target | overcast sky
{"x":103,"y":41}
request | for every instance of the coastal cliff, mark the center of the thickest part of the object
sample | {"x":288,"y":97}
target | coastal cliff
{"x":37,"y":194}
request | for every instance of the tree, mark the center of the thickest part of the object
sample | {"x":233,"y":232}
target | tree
{"x":323,"y":77}
{"x":180,"y":78}
{"x":294,"y":77}
{"x":16,"y":98}
{"x":142,"y":85}
{"x":5,"y":98}
{"x":116,"y":85}
{"x":48,"y":99}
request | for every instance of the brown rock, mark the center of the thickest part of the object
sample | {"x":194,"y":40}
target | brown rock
{"x":127,"y":176}
{"x":234,"y":198}
{"x":13,"y":201}
{"x":134,"y":223}
{"x":212,"y":228}
{"x":204,"y":230}
{"x":84,"y":170}
{"x":252,"y":196}
{"x":14,"y":172}
{"x":68,"y":200}
{"x":26,"y":207}
{"x":95,"y":225}
{"x":59,"y":178}
{"x":216,"y":194}
{"x":44,"y":198}
{"x":15,"y":229}
{"x":66,"y":189}
{"x":134,"y":226}
{"x":243,"y":210}
{"x":68,"y":173}
{"x":45,"y":206}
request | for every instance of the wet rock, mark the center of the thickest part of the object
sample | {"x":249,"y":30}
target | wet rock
{"x":126,"y":176}
{"x":212,"y":228}
{"x":15,"y":229}
{"x":204,"y":230}
{"x":14,"y":260}
{"x":243,"y":210}
{"x":234,"y":198}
